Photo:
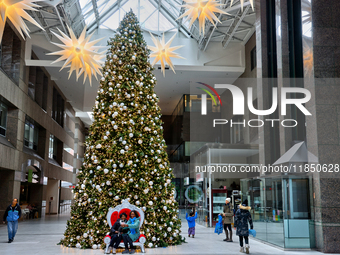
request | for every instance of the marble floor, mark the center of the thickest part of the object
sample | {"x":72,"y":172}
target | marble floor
{"x":40,"y":236}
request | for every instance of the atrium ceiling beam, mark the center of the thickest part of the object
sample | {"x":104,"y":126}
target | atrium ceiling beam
{"x":60,"y":20}
{"x":171,"y":18}
{"x":181,"y":11}
{"x":204,"y":44}
{"x":234,"y":26}
{"x":95,"y":9}
{"x":40,"y":19}
{"x":107,"y":14}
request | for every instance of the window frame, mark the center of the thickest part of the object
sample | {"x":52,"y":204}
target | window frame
{"x":3,"y":127}
{"x":31,"y":142}
{"x":253,"y":60}
{"x":52,"y":147}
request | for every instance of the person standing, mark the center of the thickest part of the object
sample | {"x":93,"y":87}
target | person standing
{"x":228,"y":220}
{"x":12,"y":215}
{"x":192,"y":223}
{"x":242,"y":218}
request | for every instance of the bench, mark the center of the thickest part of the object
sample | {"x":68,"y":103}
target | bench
{"x":113,"y":215}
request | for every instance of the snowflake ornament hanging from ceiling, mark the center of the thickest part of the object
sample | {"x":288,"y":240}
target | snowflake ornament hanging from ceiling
{"x":202,"y":10}
{"x":163,"y":52}
{"x":15,"y":11}
{"x":79,"y":54}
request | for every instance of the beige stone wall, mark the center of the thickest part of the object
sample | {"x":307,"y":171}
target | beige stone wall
{"x":13,"y":155}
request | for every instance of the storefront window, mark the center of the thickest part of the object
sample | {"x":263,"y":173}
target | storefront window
{"x":280,"y":210}
{"x":192,"y":103}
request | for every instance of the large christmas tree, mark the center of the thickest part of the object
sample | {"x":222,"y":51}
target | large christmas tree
{"x":125,"y":154}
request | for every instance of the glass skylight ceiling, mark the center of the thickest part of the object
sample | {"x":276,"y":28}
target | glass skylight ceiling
{"x":150,"y":17}
{"x":158,"y":16}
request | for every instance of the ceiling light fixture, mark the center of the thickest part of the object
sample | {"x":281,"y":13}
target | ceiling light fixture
{"x":80,"y":54}
{"x":14,"y":10}
{"x":242,"y":3}
{"x":163,"y":52}
{"x":202,"y":10}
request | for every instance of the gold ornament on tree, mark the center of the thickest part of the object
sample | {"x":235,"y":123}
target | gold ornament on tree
{"x":80,"y":54}
{"x":202,"y":10}
{"x":163,"y":52}
{"x":15,"y":11}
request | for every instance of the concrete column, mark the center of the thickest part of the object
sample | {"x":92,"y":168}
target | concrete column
{"x":52,"y":191}
{"x":9,"y":188}
{"x":267,"y":135}
{"x":326,"y":52}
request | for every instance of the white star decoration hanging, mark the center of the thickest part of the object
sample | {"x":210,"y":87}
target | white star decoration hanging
{"x":80,"y":54}
{"x":15,"y":11}
{"x":242,"y":3}
{"x":163,"y":52}
{"x":202,"y":9}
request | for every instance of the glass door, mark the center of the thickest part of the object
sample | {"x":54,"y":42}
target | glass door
{"x":297,"y":213}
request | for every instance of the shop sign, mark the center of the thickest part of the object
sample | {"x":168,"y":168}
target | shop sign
{"x":199,"y":177}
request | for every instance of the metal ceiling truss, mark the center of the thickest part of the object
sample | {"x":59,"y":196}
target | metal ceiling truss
{"x":95,"y":9}
{"x":52,"y":17}
{"x":105,"y":15}
{"x":233,"y":20}
{"x":64,"y":15}
{"x":171,"y":17}
{"x":234,"y":26}
{"x":204,"y":43}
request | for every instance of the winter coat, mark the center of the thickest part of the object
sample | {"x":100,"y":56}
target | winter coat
{"x":116,"y":227}
{"x":135,"y":226}
{"x":191,"y":220}
{"x":227,"y":210}
{"x":219,"y":225}
{"x":242,"y":218}
{"x":12,"y":213}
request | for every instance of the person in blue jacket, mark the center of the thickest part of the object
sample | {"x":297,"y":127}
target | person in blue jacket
{"x":12,"y":215}
{"x":192,"y":223}
{"x":219,"y":225}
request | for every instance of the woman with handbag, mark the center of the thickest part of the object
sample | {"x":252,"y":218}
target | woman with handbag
{"x":242,"y":219}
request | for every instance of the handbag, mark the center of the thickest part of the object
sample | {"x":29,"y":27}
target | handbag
{"x":252,"y":232}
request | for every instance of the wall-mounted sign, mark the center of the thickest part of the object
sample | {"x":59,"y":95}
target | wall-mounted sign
{"x":186,"y":181}
{"x":199,"y":177}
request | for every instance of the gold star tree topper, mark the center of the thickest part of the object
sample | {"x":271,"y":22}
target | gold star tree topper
{"x":15,"y":11}
{"x":242,"y":3}
{"x":80,"y":54}
{"x":163,"y":52}
{"x":202,"y":9}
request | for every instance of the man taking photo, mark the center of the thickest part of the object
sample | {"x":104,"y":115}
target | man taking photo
{"x":12,"y":215}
